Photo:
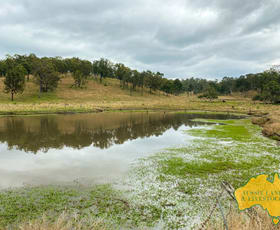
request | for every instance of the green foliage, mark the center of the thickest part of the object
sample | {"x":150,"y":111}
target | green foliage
{"x":3,"y":68}
{"x":271,"y":92}
{"x":269,"y":89}
{"x":152,"y":80}
{"x":25,"y":61}
{"x":79,"y":78}
{"x":74,"y":64}
{"x":103,"y":68}
{"x":135,"y":79}
{"x":177,"y":86}
{"x":46,"y":75}
{"x":227,"y":85}
{"x":15,"y":80}
{"x":210,"y":93}
{"x":195,"y":85}
{"x":258,"y":97}
{"x":61,"y":64}
{"x":122,"y":73}
{"x":166,"y":85}
{"x":171,"y":86}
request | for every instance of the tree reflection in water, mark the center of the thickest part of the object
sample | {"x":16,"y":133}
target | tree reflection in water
{"x":102,"y":130}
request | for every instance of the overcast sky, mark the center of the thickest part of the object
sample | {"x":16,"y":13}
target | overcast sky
{"x":181,"y":38}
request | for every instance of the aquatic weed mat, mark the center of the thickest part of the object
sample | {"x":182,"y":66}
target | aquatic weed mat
{"x":177,"y":188}
{"x":83,"y":205}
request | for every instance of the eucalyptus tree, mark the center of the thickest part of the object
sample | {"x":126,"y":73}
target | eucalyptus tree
{"x":210,"y":93}
{"x":85,"y":67}
{"x":122,"y":73}
{"x":60,"y":64}
{"x":270,"y":87}
{"x":103,"y":67}
{"x":46,"y":75}
{"x":80,"y":69}
{"x":148,"y":81}
{"x":80,"y":79}
{"x":135,"y":79}
{"x":25,"y":61}
{"x":15,"y":80}
{"x":3,"y":68}
{"x":152,"y":80}
{"x":271,"y":92}
{"x":177,"y":87}
{"x":166,"y":86}
{"x":140,"y":82}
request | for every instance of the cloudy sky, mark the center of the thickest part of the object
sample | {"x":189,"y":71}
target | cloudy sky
{"x":181,"y":38}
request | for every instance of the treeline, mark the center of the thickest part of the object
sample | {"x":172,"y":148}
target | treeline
{"x":228,"y":85}
{"x":47,"y":71}
{"x":266,"y":84}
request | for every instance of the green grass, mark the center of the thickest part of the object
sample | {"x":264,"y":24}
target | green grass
{"x":230,"y":129}
{"x":87,"y":203}
{"x":234,"y":151}
{"x":44,"y":97}
{"x":241,"y":148}
{"x":177,"y":167}
{"x":20,"y":205}
{"x":35,"y":98}
{"x":191,"y":176}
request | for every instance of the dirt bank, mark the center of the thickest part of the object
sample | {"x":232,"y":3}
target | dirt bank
{"x":270,"y":124}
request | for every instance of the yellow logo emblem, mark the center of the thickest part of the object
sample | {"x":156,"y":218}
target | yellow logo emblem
{"x":260,"y":191}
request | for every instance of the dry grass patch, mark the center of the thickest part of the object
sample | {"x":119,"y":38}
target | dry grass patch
{"x":109,"y":96}
{"x":65,"y":222}
{"x":253,"y":219}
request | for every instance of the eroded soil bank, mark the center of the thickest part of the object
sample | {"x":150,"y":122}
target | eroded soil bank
{"x":270,"y":124}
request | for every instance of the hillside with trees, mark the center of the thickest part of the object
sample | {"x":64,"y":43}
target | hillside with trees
{"x":47,"y":72}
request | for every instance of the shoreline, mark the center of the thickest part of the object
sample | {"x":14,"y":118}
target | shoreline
{"x":265,"y":119}
{"x":124,"y":109}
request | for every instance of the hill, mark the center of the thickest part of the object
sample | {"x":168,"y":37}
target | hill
{"x":108,"y":95}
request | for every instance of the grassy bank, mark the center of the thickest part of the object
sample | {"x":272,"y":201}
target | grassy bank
{"x":109,"y":96}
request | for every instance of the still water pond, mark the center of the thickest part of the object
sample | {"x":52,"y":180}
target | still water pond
{"x":90,"y":148}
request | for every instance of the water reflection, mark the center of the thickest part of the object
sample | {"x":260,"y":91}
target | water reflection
{"x":90,"y":148}
{"x":40,"y":133}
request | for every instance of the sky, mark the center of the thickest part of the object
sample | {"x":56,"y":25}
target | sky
{"x":180,"y":38}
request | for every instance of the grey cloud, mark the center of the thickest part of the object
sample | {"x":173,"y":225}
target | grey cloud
{"x":180,"y":38}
